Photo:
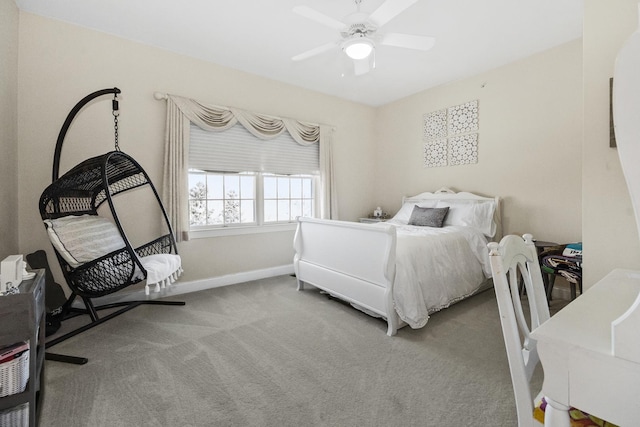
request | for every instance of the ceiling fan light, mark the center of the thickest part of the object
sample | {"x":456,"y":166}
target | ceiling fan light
{"x":358,"y":48}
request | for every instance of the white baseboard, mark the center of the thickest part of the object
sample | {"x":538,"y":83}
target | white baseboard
{"x":179,"y":287}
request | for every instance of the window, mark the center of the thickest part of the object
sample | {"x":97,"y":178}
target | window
{"x":237,"y":181}
{"x":221,"y":199}
{"x":287,"y":197}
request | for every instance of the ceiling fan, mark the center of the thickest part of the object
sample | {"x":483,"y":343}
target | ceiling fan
{"x":359,"y":33}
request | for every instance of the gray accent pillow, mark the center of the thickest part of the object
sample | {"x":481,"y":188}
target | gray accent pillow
{"x":428,"y":217}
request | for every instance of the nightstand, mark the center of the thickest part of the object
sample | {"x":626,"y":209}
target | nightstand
{"x":372,"y":220}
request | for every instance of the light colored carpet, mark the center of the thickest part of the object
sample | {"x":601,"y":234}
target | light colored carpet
{"x":264,"y":354}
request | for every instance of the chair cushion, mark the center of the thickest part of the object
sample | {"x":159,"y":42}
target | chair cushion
{"x":577,"y":418}
{"x":84,"y":238}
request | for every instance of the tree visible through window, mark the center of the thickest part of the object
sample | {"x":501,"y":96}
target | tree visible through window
{"x":221,"y":198}
{"x":224,"y":199}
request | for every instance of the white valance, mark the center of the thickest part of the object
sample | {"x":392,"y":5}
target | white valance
{"x":181,"y":111}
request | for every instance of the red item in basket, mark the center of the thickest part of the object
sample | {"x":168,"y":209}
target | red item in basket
{"x":7,"y":354}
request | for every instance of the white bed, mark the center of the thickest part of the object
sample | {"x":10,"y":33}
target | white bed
{"x":398,"y":271}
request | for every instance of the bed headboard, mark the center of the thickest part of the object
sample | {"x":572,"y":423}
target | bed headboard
{"x":446,"y":195}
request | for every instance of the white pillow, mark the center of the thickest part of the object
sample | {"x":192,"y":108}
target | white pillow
{"x":471,"y":213}
{"x":404,"y":214}
{"x":80,"y":239}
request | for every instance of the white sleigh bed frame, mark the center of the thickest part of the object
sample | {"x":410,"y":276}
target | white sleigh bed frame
{"x":356,"y":262}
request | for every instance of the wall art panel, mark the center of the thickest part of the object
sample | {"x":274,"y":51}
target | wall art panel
{"x":435,"y":153}
{"x":451,"y":136}
{"x":463,"y":149}
{"x":435,"y":125}
{"x":463,"y":118}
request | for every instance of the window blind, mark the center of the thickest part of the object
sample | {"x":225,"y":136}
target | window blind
{"x":237,"y":150}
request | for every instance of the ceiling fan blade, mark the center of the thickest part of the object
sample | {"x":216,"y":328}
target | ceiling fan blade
{"x":313,"y":52}
{"x":319,"y":17}
{"x":361,"y":66}
{"x":389,"y":10}
{"x":408,"y":41}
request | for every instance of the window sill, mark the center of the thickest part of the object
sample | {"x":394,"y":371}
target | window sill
{"x":239,"y":230}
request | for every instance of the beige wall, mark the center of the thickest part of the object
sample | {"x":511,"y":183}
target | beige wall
{"x":528,"y":110}
{"x":60,"y":63}
{"x":8,"y":128}
{"x":529,"y":143}
{"x":609,"y":229}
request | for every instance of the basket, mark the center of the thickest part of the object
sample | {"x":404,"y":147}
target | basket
{"x":15,"y":417}
{"x":14,"y":375}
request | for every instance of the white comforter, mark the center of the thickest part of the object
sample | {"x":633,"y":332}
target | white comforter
{"x":436,"y":267}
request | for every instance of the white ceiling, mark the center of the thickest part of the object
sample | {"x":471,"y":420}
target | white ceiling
{"x":261,"y":36}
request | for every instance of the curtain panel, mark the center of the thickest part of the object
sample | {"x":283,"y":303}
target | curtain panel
{"x":183,"y":111}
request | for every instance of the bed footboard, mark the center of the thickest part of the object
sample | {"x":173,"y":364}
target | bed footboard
{"x":351,"y":261}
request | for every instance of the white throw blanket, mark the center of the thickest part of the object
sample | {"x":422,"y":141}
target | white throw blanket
{"x":162,"y":270}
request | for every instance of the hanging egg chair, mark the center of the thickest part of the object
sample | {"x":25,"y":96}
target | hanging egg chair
{"x":93,"y":251}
